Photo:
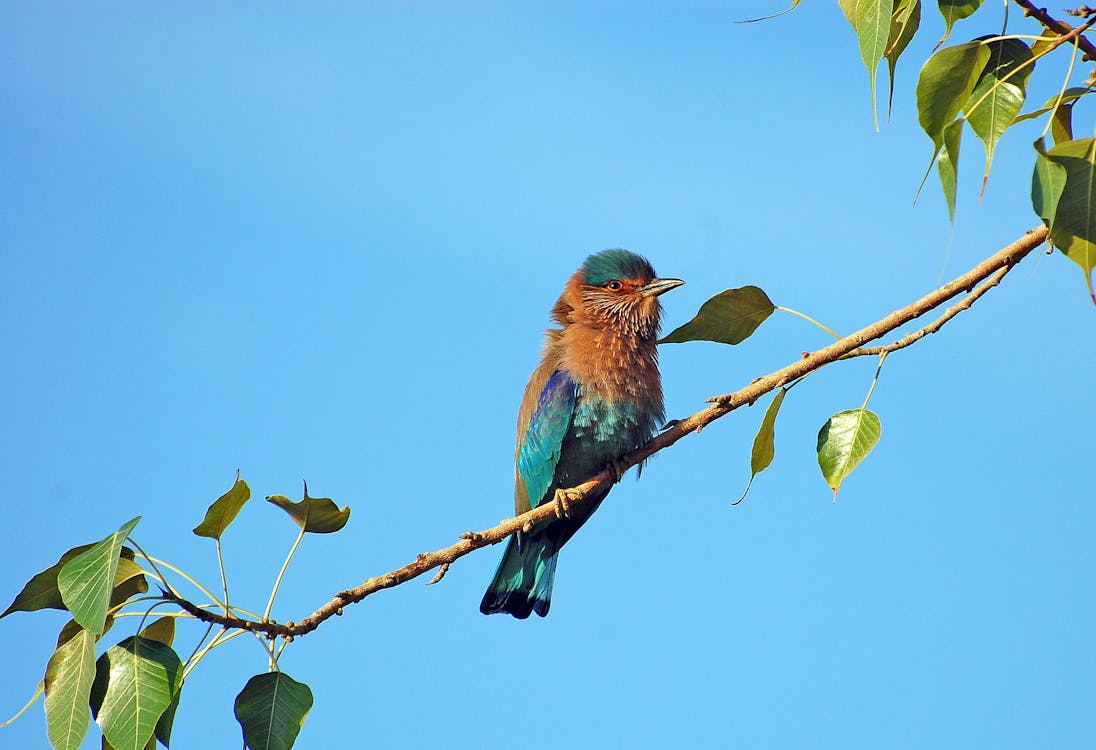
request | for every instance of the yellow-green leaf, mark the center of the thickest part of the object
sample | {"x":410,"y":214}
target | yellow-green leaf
{"x":224,"y":510}
{"x":873,"y":23}
{"x":764,"y":444}
{"x":999,"y":93}
{"x":1069,"y":96}
{"x":843,"y":442}
{"x":69,"y":675}
{"x":1047,"y":182}
{"x":904,"y":24}
{"x":72,"y":628}
{"x":948,"y":164}
{"x":162,"y":630}
{"x":848,"y":7}
{"x":1074,"y":228}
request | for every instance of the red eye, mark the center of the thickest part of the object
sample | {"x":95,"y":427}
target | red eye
{"x":614,"y":286}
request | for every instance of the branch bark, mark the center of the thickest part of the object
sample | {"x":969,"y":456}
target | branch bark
{"x":989,"y":271}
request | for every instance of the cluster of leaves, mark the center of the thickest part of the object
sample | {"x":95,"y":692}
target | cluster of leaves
{"x":844,"y":440}
{"x":983,"y":83}
{"x":134,"y":687}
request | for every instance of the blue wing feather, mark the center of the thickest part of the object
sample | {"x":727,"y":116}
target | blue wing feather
{"x":540,"y":451}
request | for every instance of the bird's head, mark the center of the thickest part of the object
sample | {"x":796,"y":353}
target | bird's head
{"x":614,"y":289}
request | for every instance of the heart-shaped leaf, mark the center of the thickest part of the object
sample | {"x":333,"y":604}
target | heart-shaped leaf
{"x":271,"y":709}
{"x":843,"y":442}
{"x":135,"y":683}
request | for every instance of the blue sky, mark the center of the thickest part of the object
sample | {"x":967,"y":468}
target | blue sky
{"x":321,"y":242}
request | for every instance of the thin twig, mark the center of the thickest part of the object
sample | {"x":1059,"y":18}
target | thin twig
{"x":937,"y":324}
{"x":720,"y":406}
{"x":1058,"y":27}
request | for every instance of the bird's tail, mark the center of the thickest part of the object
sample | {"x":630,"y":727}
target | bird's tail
{"x":523,"y":581}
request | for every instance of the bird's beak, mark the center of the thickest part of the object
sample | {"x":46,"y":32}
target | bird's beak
{"x":659,"y":286}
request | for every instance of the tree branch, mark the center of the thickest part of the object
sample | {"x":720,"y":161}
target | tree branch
{"x":992,"y":269}
{"x":1060,"y":27}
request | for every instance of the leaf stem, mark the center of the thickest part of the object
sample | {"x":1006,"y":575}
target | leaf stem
{"x":809,"y":320}
{"x":200,"y":587}
{"x":152,"y":562}
{"x":147,"y":612}
{"x":200,"y":642}
{"x":1062,"y":93}
{"x":281,"y":575}
{"x":182,"y":615}
{"x":217,"y":641}
{"x":882,"y":356}
{"x":33,"y":699}
{"x":224,"y":576}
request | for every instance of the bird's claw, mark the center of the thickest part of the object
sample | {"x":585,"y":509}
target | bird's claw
{"x":562,"y":501}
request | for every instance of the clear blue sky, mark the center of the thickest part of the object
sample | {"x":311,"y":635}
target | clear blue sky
{"x":321,"y":242}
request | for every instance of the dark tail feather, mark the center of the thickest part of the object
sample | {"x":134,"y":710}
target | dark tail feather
{"x":523,"y":580}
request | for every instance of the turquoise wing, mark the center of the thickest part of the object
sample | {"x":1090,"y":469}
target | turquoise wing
{"x":539,"y":452}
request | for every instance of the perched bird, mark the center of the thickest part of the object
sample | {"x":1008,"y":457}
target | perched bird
{"x":595,"y":397}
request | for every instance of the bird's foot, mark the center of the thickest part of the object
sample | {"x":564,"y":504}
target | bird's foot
{"x":563,"y":500}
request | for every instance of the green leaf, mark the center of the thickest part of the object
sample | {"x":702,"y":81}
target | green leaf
{"x":1069,"y":96}
{"x":69,"y":675}
{"x":86,"y":582}
{"x":167,"y":719}
{"x":730,"y":317}
{"x":1044,"y":43}
{"x":944,"y":86}
{"x":1074,"y":228}
{"x":1047,"y":182}
{"x":948,"y":164}
{"x":843,"y":442}
{"x":73,"y":628}
{"x":764,"y":447}
{"x":271,"y":709}
{"x":904,"y":25}
{"x":135,"y":683}
{"x":955,"y":10}
{"x":41,"y":591}
{"x":873,"y":22}
{"x":999,"y":92}
{"x":224,"y":510}
{"x":162,"y":630}
{"x":128,"y":581}
{"x":316,"y":515}
{"x":1061,"y":123}
{"x":848,"y":7}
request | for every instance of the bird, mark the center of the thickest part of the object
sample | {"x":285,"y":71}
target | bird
{"x":596,"y":396}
